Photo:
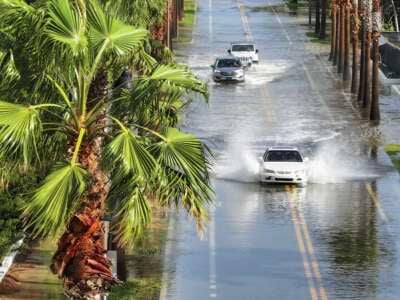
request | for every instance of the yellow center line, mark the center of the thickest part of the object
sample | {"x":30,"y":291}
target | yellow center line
{"x":310,"y":249}
{"x":245,"y":21}
{"x":301,"y":246}
{"x":311,"y":269}
{"x":376,"y":202}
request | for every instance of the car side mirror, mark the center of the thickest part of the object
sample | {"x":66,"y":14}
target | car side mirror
{"x":256,"y":50}
{"x":229,"y":51}
{"x":306,"y":159}
{"x":212,"y":66}
{"x":261,"y":159}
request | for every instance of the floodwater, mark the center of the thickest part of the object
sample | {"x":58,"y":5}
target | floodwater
{"x":337,"y":238}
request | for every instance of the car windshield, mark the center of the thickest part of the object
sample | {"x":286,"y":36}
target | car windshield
{"x":283,"y":155}
{"x":228,"y":63}
{"x":242,"y":48}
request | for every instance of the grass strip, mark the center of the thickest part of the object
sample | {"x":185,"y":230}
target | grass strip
{"x":186,"y":25}
{"x":393,"y":150}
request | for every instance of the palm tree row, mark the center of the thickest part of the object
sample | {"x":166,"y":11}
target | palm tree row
{"x":87,"y":109}
{"x":357,"y":26}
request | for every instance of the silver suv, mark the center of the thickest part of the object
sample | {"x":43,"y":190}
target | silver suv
{"x":228,"y":69}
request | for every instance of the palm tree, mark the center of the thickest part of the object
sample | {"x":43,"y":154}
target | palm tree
{"x":98,"y":151}
{"x":376,"y":27}
{"x":333,"y":30}
{"x":346,"y":60}
{"x":317,"y":16}
{"x":322,"y":31}
{"x":361,"y":87}
{"x":342,"y":36}
{"x":336,"y":59}
{"x":366,"y":101}
{"x":355,"y":52}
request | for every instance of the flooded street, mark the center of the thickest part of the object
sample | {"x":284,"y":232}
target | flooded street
{"x":336,"y":238}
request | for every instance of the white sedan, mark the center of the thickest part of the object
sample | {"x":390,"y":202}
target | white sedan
{"x":283,"y":165}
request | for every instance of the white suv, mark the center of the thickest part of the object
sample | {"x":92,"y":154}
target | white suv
{"x":245,"y":51}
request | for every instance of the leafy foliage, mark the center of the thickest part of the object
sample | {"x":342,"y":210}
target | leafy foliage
{"x":55,"y":199}
{"x":52,"y":54}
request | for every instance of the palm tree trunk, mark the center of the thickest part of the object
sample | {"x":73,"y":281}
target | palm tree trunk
{"x":322,"y":31}
{"x":361,"y":88}
{"x":342,"y":38}
{"x":333,"y":30}
{"x":375,"y":114}
{"x":367,"y":84}
{"x":355,"y":33}
{"x":337,"y":42}
{"x":81,"y":257}
{"x":346,"y":63}
{"x":317,"y":16}
{"x":367,"y":70}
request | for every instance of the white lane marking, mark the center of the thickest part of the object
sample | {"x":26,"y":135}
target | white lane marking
{"x":210,"y":21}
{"x":212,"y":255}
{"x":167,"y":257}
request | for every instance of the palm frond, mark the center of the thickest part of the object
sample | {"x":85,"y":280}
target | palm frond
{"x":55,"y":200}
{"x":184,"y":173}
{"x":111,"y":33}
{"x":65,"y":26}
{"x":20,"y":127}
{"x":131,"y":154}
{"x":182,"y":152}
{"x":132,"y":217}
{"x":178,"y":76}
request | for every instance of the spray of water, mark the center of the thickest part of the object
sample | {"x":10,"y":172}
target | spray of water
{"x":239,"y":161}
{"x":336,"y":163}
{"x":330,"y":162}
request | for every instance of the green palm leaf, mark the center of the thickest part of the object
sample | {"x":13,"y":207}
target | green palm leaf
{"x":133,"y":215}
{"x":133,"y":156}
{"x":110,"y":33}
{"x":55,"y":200}
{"x":178,"y":76}
{"x":20,"y":127}
{"x":182,"y":152}
{"x":65,"y":26}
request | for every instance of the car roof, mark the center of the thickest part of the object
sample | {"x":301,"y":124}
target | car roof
{"x":282,"y":148}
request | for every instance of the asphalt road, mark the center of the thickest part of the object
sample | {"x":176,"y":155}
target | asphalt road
{"x":338,"y":237}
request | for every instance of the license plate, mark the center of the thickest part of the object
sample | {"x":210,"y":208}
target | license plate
{"x":228,"y":78}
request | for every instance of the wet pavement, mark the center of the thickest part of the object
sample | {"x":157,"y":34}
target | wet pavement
{"x":337,"y":238}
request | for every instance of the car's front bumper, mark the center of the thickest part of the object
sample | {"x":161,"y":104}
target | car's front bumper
{"x":220,"y":77}
{"x":283,"y":178}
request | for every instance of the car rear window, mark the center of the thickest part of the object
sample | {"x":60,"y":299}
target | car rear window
{"x":229,"y":63}
{"x":242,"y":48}
{"x":283,"y":155}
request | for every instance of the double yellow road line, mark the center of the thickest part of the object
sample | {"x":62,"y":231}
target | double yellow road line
{"x":310,"y":263}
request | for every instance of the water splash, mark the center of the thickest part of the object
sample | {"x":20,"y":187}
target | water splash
{"x":239,"y":161}
{"x":337,"y":163}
